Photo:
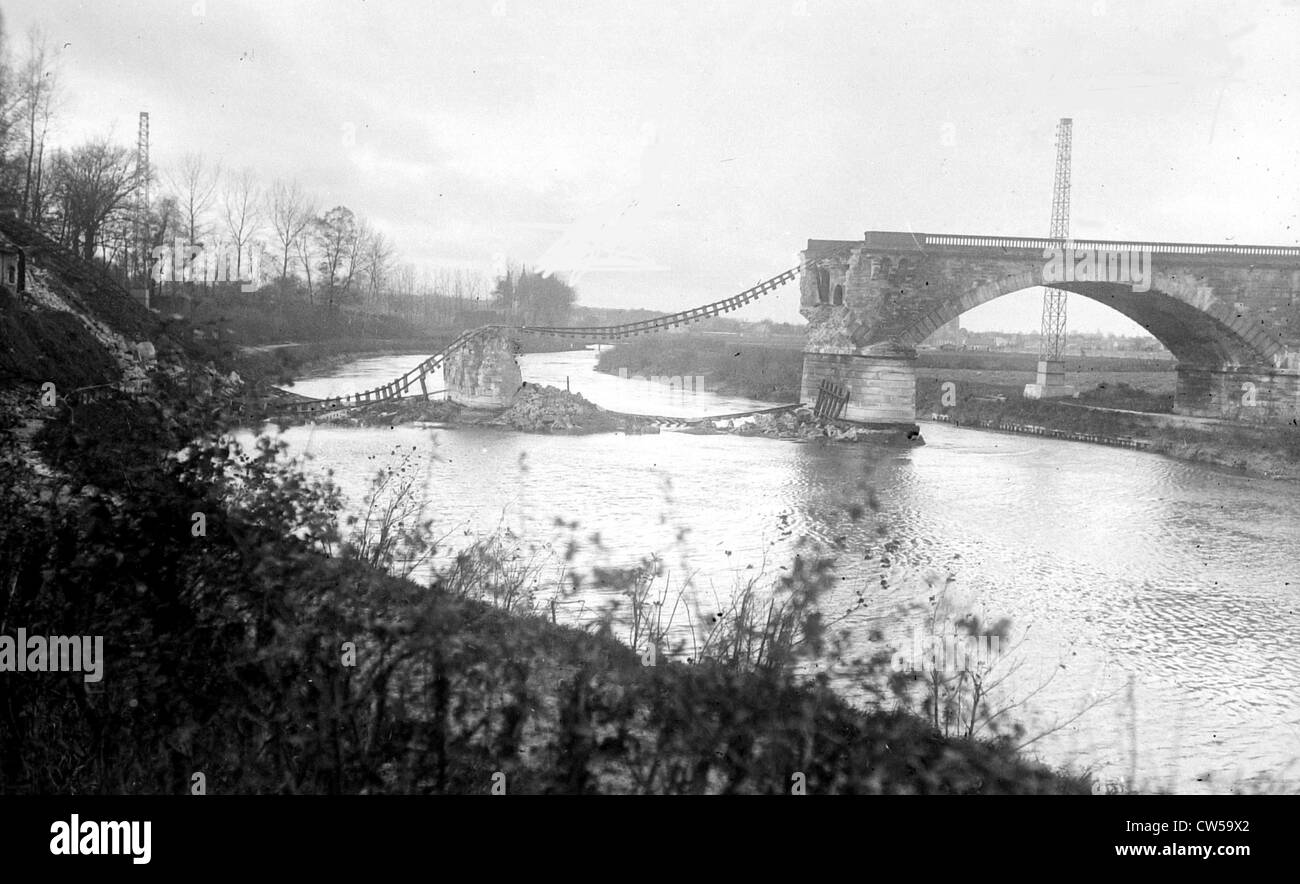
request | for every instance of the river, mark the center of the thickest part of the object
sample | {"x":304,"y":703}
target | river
{"x":1158,"y":598}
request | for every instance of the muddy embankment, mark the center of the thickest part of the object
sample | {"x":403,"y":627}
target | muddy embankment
{"x":1270,"y":452}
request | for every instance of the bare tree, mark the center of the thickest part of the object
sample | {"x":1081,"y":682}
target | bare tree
{"x":240,"y":204}
{"x":336,"y":234}
{"x":290,"y":212}
{"x":194,"y":182}
{"x":356,"y":253}
{"x":165,"y":226}
{"x":10,"y":98}
{"x":404,"y":280}
{"x":93,"y":181}
{"x":37,"y":93}
{"x":377,"y":258}
{"x":305,"y":248}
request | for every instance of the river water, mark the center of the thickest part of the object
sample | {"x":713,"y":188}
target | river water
{"x":1157,"y":601}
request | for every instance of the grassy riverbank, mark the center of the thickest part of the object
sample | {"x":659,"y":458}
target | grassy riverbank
{"x":280,"y":364}
{"x":255,"y":635}
{"x":772,"y":372}
{"x":754,"y":370}
{"x":1014,"y":370}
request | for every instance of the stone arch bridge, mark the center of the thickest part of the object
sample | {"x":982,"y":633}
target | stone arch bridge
{"x":1229,"y":314}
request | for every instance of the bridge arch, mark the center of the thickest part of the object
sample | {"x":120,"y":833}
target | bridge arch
{"x":1206,"y":334}
{"x":1229,"y":314}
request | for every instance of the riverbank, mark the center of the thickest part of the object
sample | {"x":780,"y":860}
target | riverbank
{"x":1034,"y":430}
{"x":1264,"y":452}
{"x":772,"y":371}
{"x":254,"y":634}
{"x":282,"y":363}
{"x":750,"y":369}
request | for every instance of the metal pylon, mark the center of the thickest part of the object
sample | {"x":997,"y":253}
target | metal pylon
{"x":1054,"y":299}
{"x":142,"y":237}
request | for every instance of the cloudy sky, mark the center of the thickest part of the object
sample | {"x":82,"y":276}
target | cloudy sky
{"x":673,"y":153}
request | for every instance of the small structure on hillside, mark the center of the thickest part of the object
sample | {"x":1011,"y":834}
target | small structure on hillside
{"x":13,"y":265}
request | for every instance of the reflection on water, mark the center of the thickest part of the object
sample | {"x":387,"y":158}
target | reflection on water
{"x":1169,"y":589}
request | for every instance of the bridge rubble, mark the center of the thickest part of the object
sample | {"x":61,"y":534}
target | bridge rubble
{"x":544,"y":409}
{"x":801,"y":424}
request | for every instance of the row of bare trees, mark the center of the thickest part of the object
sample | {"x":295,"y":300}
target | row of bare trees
{"x":276,"y":233}
{"x":89,"y":198}
{"x":78,"y":195}
{"x":29,"y":96}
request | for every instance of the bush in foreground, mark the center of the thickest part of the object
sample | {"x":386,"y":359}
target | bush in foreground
{"x":267,"y":652}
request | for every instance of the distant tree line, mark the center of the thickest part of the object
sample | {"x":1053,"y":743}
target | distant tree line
{"x":277,"y":236}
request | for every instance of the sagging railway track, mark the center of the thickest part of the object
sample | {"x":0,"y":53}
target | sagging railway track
{"x":417,"y":378}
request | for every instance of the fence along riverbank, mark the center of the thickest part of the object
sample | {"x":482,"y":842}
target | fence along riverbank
{"x":1032,"y":430}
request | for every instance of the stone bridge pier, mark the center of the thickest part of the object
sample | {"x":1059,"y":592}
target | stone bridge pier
{"x":484,"y":373}
{"x":1229,"y":314}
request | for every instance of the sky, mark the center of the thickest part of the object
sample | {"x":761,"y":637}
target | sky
{"x":666,"y":154}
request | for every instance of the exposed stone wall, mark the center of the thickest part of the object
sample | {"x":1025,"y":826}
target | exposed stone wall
{"x":1249,"y":395}
{"x":882,"y":389}
{"x":831,"y":327}
{"x":484,"y":373}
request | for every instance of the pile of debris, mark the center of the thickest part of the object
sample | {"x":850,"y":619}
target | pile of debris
{"x":800,"y":424}
{"x":540,"y":409}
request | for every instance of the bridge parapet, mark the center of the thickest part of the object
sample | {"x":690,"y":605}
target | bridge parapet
{"x":922,"y":242}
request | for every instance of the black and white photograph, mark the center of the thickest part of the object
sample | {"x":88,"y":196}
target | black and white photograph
{"x":786,"y":398}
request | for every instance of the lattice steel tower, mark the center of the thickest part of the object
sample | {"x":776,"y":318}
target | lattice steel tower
{"x":142,"y":237}
{"x":1054,"y":299}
